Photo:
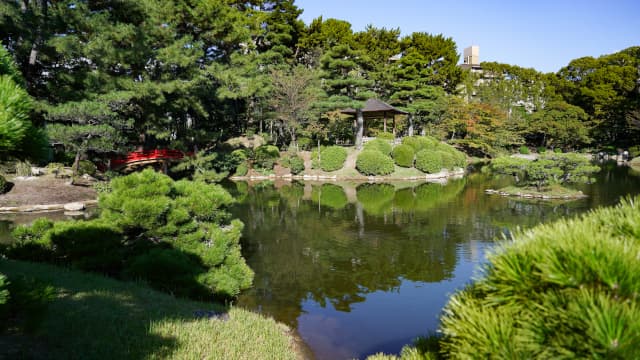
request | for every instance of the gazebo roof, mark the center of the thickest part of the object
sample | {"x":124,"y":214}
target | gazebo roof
{"x":375,"y":108}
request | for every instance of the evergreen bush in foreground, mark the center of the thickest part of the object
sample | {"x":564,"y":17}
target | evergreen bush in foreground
{"x":371,"y":162}
{"x":565,"y":290}
{"x":175,"y":235}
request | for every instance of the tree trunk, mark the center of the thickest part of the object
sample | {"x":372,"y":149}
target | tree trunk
{"x":410,"y":125}
{"x":359,"y":128}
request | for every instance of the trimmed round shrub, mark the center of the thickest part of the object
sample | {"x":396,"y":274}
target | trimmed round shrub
{"x":562,"y":290}
{"x":372,"y":162}
{"x":296,"y":165}
{"x":403,"y":155}
{"x":448,"y":159}
{"x":380,"y":145}
{"x":332,"y":158}
{"x":429,"y":161}
{"x":266,"y":156}
{"x":524,"y":150}
{"x":86,"y":167}
{"x":3,"y":184}
{"x":385,"y":136}
{"x":419,"y":142}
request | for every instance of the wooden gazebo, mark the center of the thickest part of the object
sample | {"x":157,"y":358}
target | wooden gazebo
{"x":377,"y":109}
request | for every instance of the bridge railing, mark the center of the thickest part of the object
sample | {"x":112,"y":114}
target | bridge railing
{"x":145,"y":155}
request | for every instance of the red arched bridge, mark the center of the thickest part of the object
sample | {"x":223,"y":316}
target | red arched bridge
{"x":146,"y":157}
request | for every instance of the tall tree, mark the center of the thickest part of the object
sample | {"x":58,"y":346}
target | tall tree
{"x":424,"y":72}
{"x":346,"y":84}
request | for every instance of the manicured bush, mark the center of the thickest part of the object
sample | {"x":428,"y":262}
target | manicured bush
{"x":419,"y":142}
{"x":562,"y":290}
{"x":403,"y":155}
{"x":524,"y":150}
{"x":634,"y":151}
{"x":429,"y":161}
{"x":372,"y":162}
{"x":266,"y":156}
{"x":86,"y":167}
{"x":332,"y":158}
{"x":541,"y":149}
{"x":380,"y":145}
{"x":296,"y":165}
{"x":557,"y":151}
{"x":448,"y":159}
{"x":385,"y":136}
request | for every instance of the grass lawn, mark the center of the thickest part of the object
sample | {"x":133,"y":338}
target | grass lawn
{"x":88,"y":316}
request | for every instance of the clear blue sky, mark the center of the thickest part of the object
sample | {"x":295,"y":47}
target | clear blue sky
{"x":542,"y":34}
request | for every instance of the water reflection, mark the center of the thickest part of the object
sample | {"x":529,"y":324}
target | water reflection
{"x":362,"y":268}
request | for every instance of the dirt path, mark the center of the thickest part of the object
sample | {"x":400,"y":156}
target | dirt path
{"x":44,"y":190}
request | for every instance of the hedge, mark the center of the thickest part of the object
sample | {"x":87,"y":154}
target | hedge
{"x":372,"y":162}
{"x":332,"y":158}
{"x":419,"y":142}
{"x":403,"y":155}
{"x":429,"y":161}
{"x":266,"y":156}
{"x":380,"y":145}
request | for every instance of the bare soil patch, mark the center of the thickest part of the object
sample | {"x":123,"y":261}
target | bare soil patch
{"x":45,"y":190}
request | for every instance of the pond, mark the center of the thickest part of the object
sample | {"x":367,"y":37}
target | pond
{"x":358,"y":269}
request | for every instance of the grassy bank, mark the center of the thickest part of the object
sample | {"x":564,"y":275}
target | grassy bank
{"x":91,"y":317}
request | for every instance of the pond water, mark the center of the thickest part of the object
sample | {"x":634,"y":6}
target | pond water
{"x":358,"y":269}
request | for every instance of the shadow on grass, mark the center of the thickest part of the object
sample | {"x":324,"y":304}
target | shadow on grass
{"x":60,"y":314}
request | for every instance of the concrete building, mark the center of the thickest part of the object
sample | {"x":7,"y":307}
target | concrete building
{"x":471,"y":58}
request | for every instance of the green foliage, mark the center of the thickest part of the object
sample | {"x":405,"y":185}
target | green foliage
{"x":149,"y":222}
{"x":429,"y":161}
{"x":4,"y":293}
{"x":201,"y":166}
{"x":419,"y":142}
{"x":557,"y":150}
{"x":385,"y":136}
{"x":15,"y":106}
{"x":541,"y":149}
{"x":554,"y":168}
{"x":403,"y":155}
{"x":296,"y":164}
{"x":242,"y":169}
{"x":330,"y":195}
{"x":380,"y":145}
{"x":87,"y":167}
{"x":266,"y":156}
{"x":524,"y":150}
{"x":372,"y":162}
{"x":332,"y":158}
{"x":567,"y":289}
